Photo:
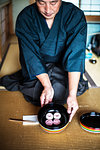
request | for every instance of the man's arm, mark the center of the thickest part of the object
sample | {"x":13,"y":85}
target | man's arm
{"x":72,"y":100}
{"x":48,"y":92}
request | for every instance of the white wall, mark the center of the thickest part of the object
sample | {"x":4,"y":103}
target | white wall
{"x":75,"y":2}
{"x":17,"y":6}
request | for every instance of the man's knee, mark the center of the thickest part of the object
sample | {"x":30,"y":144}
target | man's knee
{"x":60,"y":93}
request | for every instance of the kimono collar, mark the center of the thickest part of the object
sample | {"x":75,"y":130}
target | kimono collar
{"x":46,"y":33}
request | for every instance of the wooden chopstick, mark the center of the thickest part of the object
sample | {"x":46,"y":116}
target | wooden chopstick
{"x":21,"y":120}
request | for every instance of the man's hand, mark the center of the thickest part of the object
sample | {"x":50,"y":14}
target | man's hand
{"x":48,"y":92}
{"x":46,"y":96}
{"x":72,"y":106}
{"x":72,"y":100}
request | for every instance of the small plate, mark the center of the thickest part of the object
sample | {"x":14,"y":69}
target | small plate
{"x":90,"y":122}
{"x":53,"y":108}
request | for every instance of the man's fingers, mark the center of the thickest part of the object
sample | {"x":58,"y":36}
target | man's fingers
{"x":46,"y":96}
{"x":48,"y":100}
{"x":69,"y":110}
{"x":73,"y":113}
{"x":45,"y":99}
{"x":42,"y":99}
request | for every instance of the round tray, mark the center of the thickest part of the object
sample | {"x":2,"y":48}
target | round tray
{"x":52,"y":108}
{"x":90,"y":122}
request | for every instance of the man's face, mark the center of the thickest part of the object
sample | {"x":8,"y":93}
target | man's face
{"x":48,"y":8}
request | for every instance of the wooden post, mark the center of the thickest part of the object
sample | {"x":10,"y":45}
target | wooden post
{"x":79,"y":3}
{"x":11,"y":30}
{"x":31,"y":1}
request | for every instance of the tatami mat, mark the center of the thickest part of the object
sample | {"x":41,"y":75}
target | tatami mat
{"x":94,"y":70}
{"x":11,"y":63}
{"x":15,"y":136}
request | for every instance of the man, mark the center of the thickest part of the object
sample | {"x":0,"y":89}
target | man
{"x":52,"y":39}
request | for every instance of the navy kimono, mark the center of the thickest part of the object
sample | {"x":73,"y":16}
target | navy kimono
{"x":59,"y":50}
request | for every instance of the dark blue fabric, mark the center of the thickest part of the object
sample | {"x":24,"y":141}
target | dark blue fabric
{"x":32,"y":89}
{"x":63,"y":44}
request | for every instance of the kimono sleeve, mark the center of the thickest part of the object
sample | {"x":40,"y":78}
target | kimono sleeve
{"x":30,"y":58}
{"x":76,"y":30}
